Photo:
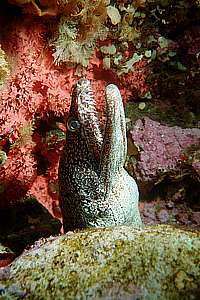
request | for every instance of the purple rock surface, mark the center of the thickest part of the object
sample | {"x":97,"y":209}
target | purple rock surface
{"x":161,"y":148}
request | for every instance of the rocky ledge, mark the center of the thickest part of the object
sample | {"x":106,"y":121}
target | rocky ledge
{"x":155,"y":262}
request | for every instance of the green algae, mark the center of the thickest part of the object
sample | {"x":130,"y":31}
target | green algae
{"x":158,"y":262}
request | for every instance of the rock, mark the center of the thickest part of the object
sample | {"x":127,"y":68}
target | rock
{"x":161,"y":148}
{"x":182,"y":217}
{"x":195,"y":217}
{"x":163,"y":215}
{"x":24,"y":223}
{"x":157,"y":262}
{"x":149,"y":214}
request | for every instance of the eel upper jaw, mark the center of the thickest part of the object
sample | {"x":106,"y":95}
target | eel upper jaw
{"x":88,"y":117}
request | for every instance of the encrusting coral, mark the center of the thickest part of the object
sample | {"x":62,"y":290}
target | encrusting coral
{"x":17,"y":174}
{"x":160,"y":147}
{"x":35,"y":86}
{"x":34,"y":90}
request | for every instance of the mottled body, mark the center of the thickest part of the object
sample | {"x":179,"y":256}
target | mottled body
{"x":95,"y":189}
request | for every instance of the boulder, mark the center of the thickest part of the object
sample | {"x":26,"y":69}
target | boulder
{"x":156,"y":262}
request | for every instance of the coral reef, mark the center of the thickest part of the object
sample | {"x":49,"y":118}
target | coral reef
{"x":34,"y":101}
{"x":149,"y":49}
{"x":158,"y":262}
{"x":17,"y":175}
{"x":35,"y":90}
{"x":36,"y":87}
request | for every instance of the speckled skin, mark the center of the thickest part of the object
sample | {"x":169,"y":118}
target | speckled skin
{"x":95,"y":189}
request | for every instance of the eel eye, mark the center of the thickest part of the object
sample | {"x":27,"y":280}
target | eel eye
{"x":73,"y":124}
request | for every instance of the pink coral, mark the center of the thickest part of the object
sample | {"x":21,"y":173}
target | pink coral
{"x":42,"y":191}
{"x":36,"y":86}
{"x":17,"y":174}
{"x":45,"y":187}
{"x":135,"y":81}
{"x":161,"y":147}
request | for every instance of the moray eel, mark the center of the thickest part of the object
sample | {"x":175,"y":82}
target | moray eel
{"x":95,"y":189}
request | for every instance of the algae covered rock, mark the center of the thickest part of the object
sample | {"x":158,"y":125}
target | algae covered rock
{"x":158,"y":262}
